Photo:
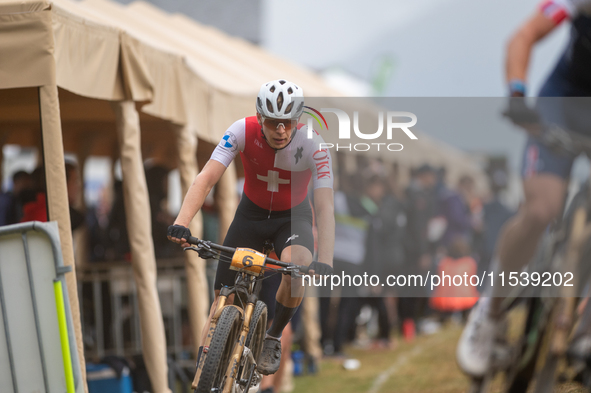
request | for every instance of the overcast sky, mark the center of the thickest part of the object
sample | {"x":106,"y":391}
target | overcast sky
{"x":437,"y":48}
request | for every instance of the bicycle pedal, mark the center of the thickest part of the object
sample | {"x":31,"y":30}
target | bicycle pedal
{"x":254,"y":384}
{"x":254,"y":389}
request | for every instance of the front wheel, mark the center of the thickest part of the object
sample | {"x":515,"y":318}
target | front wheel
{"x":222,"y":344}
{"x":520,"y":375}
{"x":254,"y":342}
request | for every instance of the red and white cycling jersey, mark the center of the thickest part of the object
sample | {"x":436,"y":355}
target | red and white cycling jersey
{"x":559,"y":10}
{"x":276,"y":180}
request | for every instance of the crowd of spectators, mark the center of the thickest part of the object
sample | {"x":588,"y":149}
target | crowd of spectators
{"x":383,"y":230}
{"x":106,"y":222}
{"x":27,"y":199}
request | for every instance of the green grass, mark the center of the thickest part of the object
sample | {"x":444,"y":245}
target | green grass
{"x":429,"y":366}
{"x":426,"y":365}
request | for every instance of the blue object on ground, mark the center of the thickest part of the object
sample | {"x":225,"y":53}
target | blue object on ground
{"x":298,"y":362}
{"x":102,"y":379}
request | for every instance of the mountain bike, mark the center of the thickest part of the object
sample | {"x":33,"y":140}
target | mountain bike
{"x":234,"y":341}
{"x":548,"y":333}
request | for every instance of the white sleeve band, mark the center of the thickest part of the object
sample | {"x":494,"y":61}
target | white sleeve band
{"x":232,"y":142}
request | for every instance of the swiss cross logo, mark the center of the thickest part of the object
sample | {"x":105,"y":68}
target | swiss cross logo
{"x":273,"y":180}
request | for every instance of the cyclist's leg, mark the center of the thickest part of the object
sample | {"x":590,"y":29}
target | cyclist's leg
{"x":544,"y":197}
{"x":545,"y":177}
{"x":291,"y":291}
{"x":271,"y":383}
{"x":294,"y":242}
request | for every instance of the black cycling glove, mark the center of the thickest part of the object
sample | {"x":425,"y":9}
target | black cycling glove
{"x":179,"y":231}
{"x":520,"y":113}
{"x":321,"y":268}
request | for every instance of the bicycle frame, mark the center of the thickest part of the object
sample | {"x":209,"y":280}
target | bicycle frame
{"x":579,"y":235}
{"x":248,"y":285}
{"x":246,"y":316}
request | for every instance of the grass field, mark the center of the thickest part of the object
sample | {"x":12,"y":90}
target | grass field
{"x":426,"y":365}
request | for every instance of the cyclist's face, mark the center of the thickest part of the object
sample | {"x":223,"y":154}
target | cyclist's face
{"x":277,"y":131}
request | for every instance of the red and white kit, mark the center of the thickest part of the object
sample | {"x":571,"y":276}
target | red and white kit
{"x":276,"y":179}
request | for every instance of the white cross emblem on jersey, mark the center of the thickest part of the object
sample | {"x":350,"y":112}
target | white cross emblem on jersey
{"x":273,"y":181}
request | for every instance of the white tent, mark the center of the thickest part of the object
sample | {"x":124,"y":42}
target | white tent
{"x":78,"y":72}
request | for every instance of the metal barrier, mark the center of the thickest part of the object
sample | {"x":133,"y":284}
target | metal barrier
{"x":37,"y":342}
{"x":110,"y":315}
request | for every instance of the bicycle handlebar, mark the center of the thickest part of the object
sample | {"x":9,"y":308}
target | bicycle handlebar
{"x":558,"y":138}
{"x":286,"y":266}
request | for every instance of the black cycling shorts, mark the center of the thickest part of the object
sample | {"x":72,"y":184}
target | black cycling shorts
{"x":556,"y":105}
{"x":252,"y":226}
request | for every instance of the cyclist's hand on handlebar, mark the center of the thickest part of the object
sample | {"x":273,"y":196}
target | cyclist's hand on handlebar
{"x":320,"y":268}
{"x":522,"y":115}
{"x":179,"y":234}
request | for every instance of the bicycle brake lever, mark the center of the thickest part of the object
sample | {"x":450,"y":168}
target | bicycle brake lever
{"x":295,"y":273}
{"x":204,"y":251}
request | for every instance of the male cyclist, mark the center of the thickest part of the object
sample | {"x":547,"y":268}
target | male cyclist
{"x":279,"y":160}
{"x":544,"y":173}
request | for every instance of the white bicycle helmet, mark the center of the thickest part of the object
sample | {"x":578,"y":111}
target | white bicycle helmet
{"x":280,"y":99}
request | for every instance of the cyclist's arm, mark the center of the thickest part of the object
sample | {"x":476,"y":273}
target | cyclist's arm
{"x":202,"y":185}
{"x":324,"y":207}
{"x":231,"y":143}
{"x":522,"y":42}
{"x":320,"y":163}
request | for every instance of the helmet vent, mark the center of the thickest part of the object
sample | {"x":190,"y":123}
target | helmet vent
{"x":290,"y":90}
{"x":280,"y":100}
{"x":288,"y":109}
{"x":282,"y":82}
{"x":259,"y":103}
{"x":269,"y":106}
{"x":272,"y":89}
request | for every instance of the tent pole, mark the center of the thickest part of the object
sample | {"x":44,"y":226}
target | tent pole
{"x":57,"y":199}
{"x":1,"y":163}
{"x":195,"y":267}
{"x":227,"y":199}
{"x":137,"y":211}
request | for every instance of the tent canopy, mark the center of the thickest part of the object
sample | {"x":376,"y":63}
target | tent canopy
{"x":178,"y":70}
